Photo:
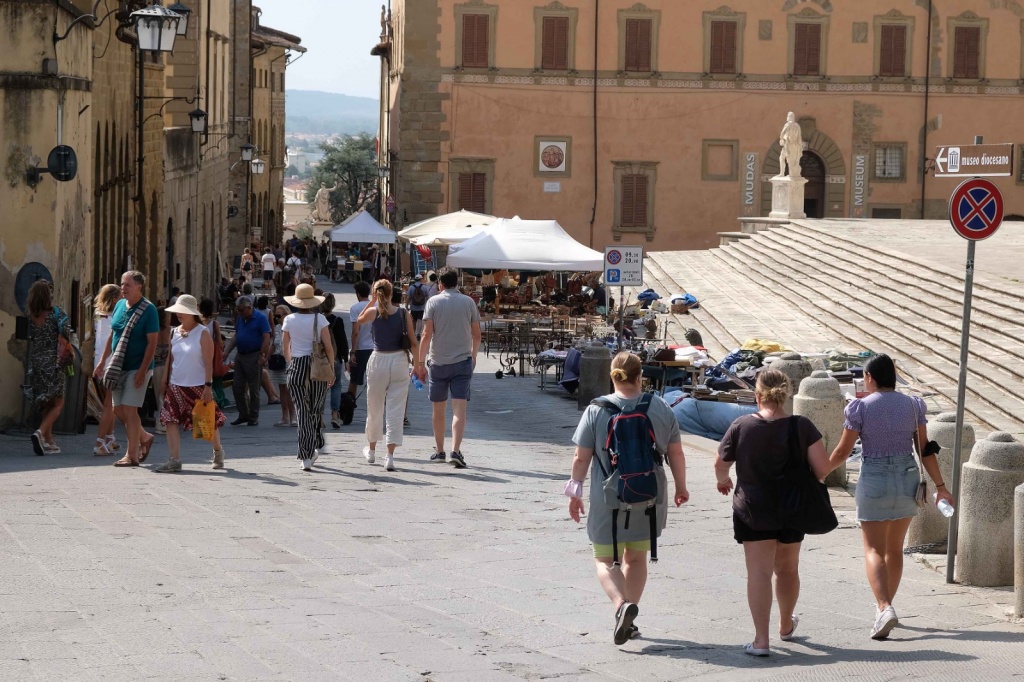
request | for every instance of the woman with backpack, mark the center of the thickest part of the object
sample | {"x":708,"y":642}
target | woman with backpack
{"x":618,"y":426}
{"x":416,"y":299}
{"x":760,"y":444}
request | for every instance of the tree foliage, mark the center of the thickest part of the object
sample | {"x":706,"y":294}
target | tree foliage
{"x":351,"y":163}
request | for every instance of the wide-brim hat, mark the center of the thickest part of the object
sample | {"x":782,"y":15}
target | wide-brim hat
{"x":304,"y":297}
{"x":185,"y":305}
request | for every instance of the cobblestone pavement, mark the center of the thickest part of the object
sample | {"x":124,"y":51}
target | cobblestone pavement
{"x":263,"y":572}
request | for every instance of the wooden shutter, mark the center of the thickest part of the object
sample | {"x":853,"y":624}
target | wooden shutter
{"x":723,"y":47}
{"x":475,"y":39}
{"x":892,"y":52}
{"x":473,"y":192}
{"x":638,"y":44}
{"x":967,"y":52}
{"x":633,"y":208}
{"x":555,"y":43}
{"x":807,"y":50}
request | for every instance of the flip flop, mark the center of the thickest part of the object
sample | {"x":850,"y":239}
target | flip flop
{"x":144,"y":449}
{"x":751,"y":650}
{"x":789,"y":637}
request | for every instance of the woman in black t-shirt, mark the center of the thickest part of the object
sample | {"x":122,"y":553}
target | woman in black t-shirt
{"x":759,"y":444}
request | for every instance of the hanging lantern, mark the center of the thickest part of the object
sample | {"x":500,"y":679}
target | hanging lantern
{"x":247,"y":151}
{"x":156,"y":27}
{"x":258,"y":166}
{"x":198,"y":118}
{"x":184,"y":11}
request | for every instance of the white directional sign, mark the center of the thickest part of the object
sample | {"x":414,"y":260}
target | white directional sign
{"x":624,"y":266}
{"x":974,"y":161}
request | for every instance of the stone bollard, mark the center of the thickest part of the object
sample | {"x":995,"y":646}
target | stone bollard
{"x":821,"y":400}
{"x":986,"y":511}
{"x":1018,"y":549}
{"x":930,"y":526}
{"x":595,"y":374}
{"x":794,"y":367}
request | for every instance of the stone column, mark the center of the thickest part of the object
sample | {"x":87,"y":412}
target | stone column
{"x":595,"y":369}
{"x":797,"y":369}
{"x":930,"y":526}
{"x":986,"y":511}
{"x":821,"y":401}
{"x":1018,"y":551}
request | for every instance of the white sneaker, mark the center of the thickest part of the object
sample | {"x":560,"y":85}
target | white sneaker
{"x":884,"y":623}
{"x":389,"y":463}
{"x":316,"y":455}
{"x":369,"y":454}
{"x":306,"y":464}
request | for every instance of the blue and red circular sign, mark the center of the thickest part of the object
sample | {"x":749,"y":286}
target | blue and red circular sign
{"x":614,"y":257}
{"x":976,"y":209}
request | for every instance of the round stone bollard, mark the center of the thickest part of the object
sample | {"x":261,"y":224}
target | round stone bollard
{"x":595,"y":374}
{"x":821,"y":400}
{"x":930,"y":526}
{"x":986,"y":511}
{"x":1018,"y":549}
{"x":796,"y":368}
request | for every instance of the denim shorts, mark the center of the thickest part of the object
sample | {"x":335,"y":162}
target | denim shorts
{"x":887,"y":487}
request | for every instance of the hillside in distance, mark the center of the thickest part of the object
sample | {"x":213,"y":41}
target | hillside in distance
{"x":326,"y":113}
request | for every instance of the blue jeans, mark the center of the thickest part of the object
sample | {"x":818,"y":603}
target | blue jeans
{"x":339,"y":372}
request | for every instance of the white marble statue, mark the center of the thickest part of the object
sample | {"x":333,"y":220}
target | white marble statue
{"x":321,"y":212}
{"x":792,"y":143}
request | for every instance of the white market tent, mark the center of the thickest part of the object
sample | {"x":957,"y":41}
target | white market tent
{"x":433,"y":231}
{"x":515,"y":244}
{"x":362,"y":228}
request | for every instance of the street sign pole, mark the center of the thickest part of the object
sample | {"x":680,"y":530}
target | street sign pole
{"x":622,"y":315}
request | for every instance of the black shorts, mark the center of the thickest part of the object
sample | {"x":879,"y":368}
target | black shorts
{"x":744,"y":533}
{"x":417,"y":315}
{"x":268,"y":275}
{"x":358,"y":373}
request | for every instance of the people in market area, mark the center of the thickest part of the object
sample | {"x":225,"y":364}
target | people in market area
{"x":268,"y":261}
{"x":759,"y":444}
{"x":337,"y":325}
{"x":106,"y":299}
{"x":163,"y":348}
{"x":432,"y":288}
{"x":359,"y":353}
{"x":278,"y":368}
{"x":188,"y":381}
{"x":888,"y":424}
{"x":262,"y":305}
{"x":416,"y":297}
{"x":248,"y":266}
{"x":135,"y":328}
{"x":46,"y":377}
{"x":387,"y":373}
{"x":448,"y":346}
{"x":621,"y":548}
{"x":252,"y":343}
{"x":298,"y":333}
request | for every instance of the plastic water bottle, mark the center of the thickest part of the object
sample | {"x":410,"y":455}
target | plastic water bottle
{"x":417,"y":383}
{"x":945,"y":508}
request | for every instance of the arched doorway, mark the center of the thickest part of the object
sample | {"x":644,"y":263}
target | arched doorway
{"x":813,"y":169}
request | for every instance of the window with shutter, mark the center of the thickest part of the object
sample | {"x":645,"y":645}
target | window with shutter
{"x":723,"y":47}
{"x":633,"y":209}
{"x":892,"y":51}
{"x":555,"y":43}
{"x":966,"y":52}
{"x":475,"y":41}
{"x":807,"y":50}
{"x":639,"y":34}
{"x":473,"y":192}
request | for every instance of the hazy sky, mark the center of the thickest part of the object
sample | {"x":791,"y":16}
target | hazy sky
{"x":338,"y":35}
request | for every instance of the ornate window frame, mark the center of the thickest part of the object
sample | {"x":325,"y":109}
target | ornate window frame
{"x":621,"y":169}
{"x":893,"y":18}
{"x":967,"y":18}
{"x":724,"y":13}
{"x":639,"y":11}
{"x":457,"y":166}
{"x":476,"y":7}
{"x":554,"y":9}
{"x":734,"y":173}
{"x":807,"y":16}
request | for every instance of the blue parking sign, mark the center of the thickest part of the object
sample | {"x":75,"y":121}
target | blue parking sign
{"x":613,"y":276}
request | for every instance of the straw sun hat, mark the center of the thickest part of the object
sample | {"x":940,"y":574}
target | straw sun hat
{"x":185,"y":305}
{"x":304,"y":297}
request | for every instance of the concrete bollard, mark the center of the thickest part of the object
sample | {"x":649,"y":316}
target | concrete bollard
{"x":796,"y":368}
{"x":821,"y":400}
{"x":930,"y":526}
{"x":1018,"y":549}
{"x":595,"y":374}
{"x":986,"y":511}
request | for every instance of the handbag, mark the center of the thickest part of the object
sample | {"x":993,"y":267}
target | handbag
{"x":276,"y":363}
{"x":69,"y":357}
{"x":321,"y":368}
{"x":804,"y":503}
{"x":204,"y":420}
{"x":921,"y":495}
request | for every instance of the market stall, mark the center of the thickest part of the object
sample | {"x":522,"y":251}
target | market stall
{"x":435,"y":229}
{"x":359,"y":228}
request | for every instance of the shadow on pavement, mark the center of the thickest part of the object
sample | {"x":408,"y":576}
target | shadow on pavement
{"x":394,"y":477}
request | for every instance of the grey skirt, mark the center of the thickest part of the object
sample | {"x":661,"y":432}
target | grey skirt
{"x":886,"y":488}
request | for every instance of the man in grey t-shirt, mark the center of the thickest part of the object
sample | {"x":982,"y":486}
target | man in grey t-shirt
{"x":450,"y":342}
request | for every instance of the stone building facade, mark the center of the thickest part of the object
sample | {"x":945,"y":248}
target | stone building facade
{"x":149,"y":193}
{"x":499,"y":106}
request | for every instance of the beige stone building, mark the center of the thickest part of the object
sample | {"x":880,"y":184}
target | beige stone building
{"x":149,"y":193}
{"x":498,"y":106}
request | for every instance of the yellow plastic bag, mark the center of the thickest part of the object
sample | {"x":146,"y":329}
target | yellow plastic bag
{"x":204,"y":420}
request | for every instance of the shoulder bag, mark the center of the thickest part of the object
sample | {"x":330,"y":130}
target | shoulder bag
{"x":921,"y":495}
{"x":804,"y":502}
{"x":69,"y":355}
{"x":321,"y":368}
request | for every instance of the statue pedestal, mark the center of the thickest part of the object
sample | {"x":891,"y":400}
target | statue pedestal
{"x":787,"y":197}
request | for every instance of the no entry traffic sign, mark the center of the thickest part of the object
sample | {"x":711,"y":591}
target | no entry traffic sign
{"x":976,"y":209}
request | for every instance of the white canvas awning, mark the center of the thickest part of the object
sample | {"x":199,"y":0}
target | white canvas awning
{"x":514,"y":244}
{"x":436,"y":231}
{"x":362,"y":228}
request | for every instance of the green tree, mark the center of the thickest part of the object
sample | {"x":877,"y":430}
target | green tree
{"x":351,"y":163}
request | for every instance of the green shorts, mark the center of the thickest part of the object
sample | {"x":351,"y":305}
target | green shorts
{"x":605,"y":551}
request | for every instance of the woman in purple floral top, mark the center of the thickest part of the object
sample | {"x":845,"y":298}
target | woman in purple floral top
{"x":886,"y":423}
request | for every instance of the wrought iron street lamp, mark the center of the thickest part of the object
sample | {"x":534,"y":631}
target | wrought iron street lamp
{"x":198,"y":119}
{"x":156,"y":27}
{"x":258,"y":166}
{"x":247,"y":151}
{"x":184,"y":11}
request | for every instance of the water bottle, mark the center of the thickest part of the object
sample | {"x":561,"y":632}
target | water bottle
{"x":945,"y":508}
{"x":417,"y":383}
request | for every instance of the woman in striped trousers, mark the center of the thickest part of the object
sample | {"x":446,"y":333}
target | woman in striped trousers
{"x":308,"y":395}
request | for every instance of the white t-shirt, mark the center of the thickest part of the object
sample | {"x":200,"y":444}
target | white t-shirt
{"x":102,"y":334}
{"x":268,"y":261}
{"x":365,"y":341}
{"x":188,"y":368}
{"x":300,"y":329}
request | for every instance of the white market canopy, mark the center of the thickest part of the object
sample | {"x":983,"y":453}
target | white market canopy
{"x":363,"y":228}
{"x":436,"y":231}
{"x":515,"y":244}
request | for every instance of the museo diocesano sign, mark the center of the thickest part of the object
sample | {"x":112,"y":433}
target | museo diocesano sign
{"x":976,"y":160}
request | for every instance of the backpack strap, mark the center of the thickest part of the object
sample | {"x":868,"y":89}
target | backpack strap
{"x":605,"y":404}
{"x":652,"y":515}
{"x":615,"y":537}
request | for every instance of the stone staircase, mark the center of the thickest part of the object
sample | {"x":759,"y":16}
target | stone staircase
{"x":814,"y":288}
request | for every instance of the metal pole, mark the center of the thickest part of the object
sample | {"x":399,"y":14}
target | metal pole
{"x":961,"y":396}
{"x":622,"y":314}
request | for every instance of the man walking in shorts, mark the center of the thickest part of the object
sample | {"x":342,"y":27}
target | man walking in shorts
{"x":450,"y":342}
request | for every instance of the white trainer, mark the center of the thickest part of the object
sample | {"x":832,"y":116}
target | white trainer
{"x":369,"y":454}
{"x":306,"y":465}
{"x":389,"y":463}
{"x":884,"y":623}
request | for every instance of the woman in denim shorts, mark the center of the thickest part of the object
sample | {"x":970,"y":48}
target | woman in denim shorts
{"x":886,"y":422}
